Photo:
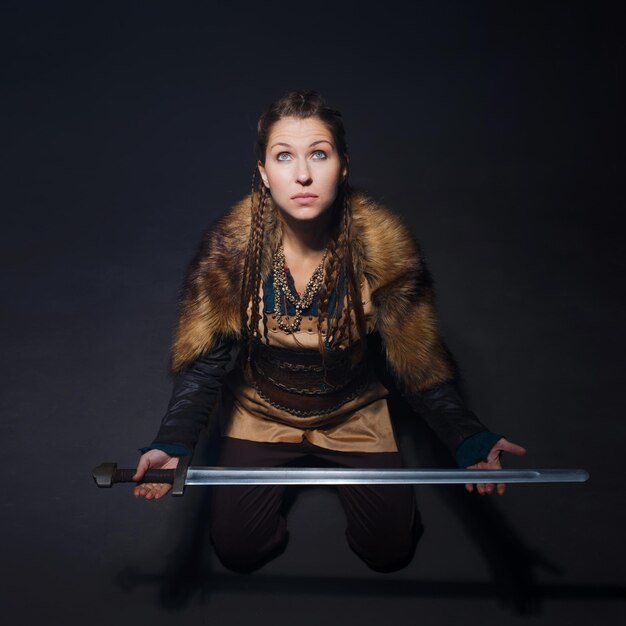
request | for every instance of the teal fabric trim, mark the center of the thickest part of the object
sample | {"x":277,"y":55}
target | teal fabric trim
{"x":476,"y":448}
{"x":173,"y":449}
{"x":335,"y":304}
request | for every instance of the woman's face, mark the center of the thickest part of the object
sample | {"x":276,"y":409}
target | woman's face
{"x":302,"y":168}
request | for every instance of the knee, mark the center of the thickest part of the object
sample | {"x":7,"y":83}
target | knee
{"x":237,"y":558}
{"x":391,"y":552}
{"x":243,"y":552}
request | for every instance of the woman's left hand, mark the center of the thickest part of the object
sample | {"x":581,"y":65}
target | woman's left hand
{"x":492,"y":462}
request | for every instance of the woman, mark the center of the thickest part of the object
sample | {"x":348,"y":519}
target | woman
{"x":281,"y":306}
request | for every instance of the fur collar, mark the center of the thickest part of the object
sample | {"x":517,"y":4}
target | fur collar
{"x":385,"y":254}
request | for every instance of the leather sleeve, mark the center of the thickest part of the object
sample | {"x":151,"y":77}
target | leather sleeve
{"x":196,"y":390}
{"x":443,"y":409}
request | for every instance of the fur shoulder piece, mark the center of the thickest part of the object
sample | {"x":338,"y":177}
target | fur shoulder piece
{"x":384,"y":252}
{"x":402,"y":291}
{"x":209,"y":307}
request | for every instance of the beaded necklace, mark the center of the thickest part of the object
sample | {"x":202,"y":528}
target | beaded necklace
{"x":281,"y":284}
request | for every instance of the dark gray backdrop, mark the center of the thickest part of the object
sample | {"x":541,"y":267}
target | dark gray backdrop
{"x":494,"y":129}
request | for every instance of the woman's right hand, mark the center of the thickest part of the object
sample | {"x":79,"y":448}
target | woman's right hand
{"x":153,"y":459}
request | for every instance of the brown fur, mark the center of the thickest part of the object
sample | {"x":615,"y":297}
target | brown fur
{"x":383,"y":252}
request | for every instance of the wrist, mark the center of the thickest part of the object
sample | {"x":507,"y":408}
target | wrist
{"x":475,"y":448}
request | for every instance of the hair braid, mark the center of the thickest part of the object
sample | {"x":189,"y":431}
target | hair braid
{"x":339,"y":264}
{"x":353,"y":280}
{"x":251,"y":283}
{"x":328,"y":285}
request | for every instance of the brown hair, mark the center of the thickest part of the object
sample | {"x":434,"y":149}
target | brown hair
{"x":304,"y":104}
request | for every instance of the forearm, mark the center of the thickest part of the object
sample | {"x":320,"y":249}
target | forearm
{"x":445,"y":412}
{"x":195,"y":393}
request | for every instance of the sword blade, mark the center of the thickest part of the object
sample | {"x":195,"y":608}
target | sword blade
{"x":348,"y":476}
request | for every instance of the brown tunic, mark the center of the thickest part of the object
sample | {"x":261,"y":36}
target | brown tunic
{"x":362,"y":424}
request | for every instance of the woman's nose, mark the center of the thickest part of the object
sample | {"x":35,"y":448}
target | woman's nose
{"x":303,"y":174}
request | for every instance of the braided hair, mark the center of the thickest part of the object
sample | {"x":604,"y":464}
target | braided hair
{"x":340,"y":279}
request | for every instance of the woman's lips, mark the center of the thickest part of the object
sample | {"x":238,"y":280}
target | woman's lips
{"x":304,"y":198}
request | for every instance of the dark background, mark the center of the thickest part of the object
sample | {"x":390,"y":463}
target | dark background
{"x":495,"y":129}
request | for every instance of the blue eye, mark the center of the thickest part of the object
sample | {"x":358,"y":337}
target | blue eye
{"x":318,"y":155}
{"x":283,"y":156}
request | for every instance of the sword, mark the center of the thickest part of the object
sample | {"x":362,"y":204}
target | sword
{"x":107,"y":474}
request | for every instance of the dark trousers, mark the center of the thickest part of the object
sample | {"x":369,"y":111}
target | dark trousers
{"x":248,"y":527}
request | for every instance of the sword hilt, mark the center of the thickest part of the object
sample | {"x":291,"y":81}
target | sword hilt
{"x":151,"y":476}
{"x":108,"y":474}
